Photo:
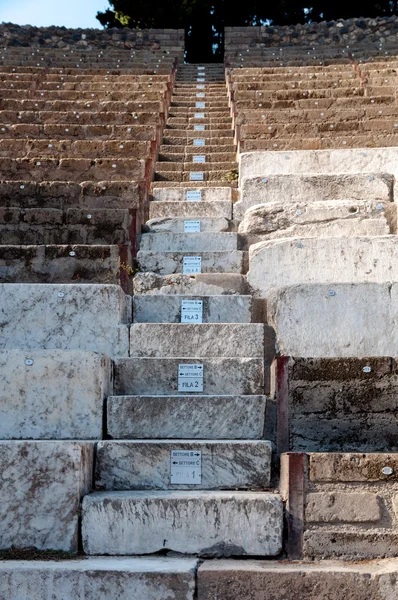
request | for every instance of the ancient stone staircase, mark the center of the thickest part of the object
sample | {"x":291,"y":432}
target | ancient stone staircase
{"x":222,"y":505}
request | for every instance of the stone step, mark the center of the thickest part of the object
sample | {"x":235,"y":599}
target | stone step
{"x":158,"y":376}
{"x":101,"y":578}
{"x":63,"y":264}
{"x":86,"y":117}
{"x":186,"y":136}
{"x":178,"y":225}
{"x":180,"y":194}
{"x":188,"y":242}
{"x":191,"y":148}
{"x":73,"y":131}
{"x":202,"y":284}
{"x":167,"y":308}
{"x":178,"y":210}
{"x":205,"y":523}
{"x":189,"y":157}
{"x":95,"y":105}
{"x":150,"y":340}
{"x":307,"y":580}
{"x":39,"y":317}
{"x":230,"y":182}
{"x":335,"y":310}
{"x":183,"y":176}
{"x":56,"y":394}
{"x":167,"y":263}
{"x":146,"y":465}
{"x":210,"y":417}
{"x":18,"y":148}
{"x":373,"y":186}
{"x":350,"y":260}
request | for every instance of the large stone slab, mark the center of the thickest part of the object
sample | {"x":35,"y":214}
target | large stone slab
{"x":167,"y":308}
{"x":347,"y":161}
{"x":52,"y":394}
{"x":303,"y":187}
{"x":152,"y":376}
{"x":138,"y":465}
{"x":212,"y":339}
{"x":319,"y":219}
{"x":41,"y":487}
{"x":284,"y":262}
{"x":268,"y":580}
{"x":206,"y":417}
{"x":177,"y":225}
{"x":64,"y":316}
{"x":203,"y":284}
{"x":190,"y":210}
{"x":205,"y":523}
{"x":169,"y":194}
{"x":335,"y":320}
{"x":167,"y":263}
{"x":189,"y":242}
{"x":102,"y":578}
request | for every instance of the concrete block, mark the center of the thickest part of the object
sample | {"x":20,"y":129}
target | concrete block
{"x":138,"y":465}
{"x":350,"y":545}
{"x":90,"y":317}
{"x":167,"y":263}
{"x":319,"y":219}
{"x":203,"y":284}
{"x":188,"y":242}
{"x":102,"y":578}
{"x":274,"y":580}
{"x":342,"y":507}
{"x":346,"y":161}
{"x":207,"y":417}
{"x":279,"y":263}
{"x":166,"y":308}
{"x":335,"y":320}
{"x":213,"y":210}
{"x":212,"y":339}
{"x":52,"y":394}
{"x":291,"y":187}
{"x":176,"y":225}
{"x":41,"y":487}
{"x":153,"y":376}
{"x":204,"y":523}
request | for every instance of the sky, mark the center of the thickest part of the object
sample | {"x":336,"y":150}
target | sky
{"x":70,"y":13}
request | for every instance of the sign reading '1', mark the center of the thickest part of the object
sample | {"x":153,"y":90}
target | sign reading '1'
{"x":186,"y":466}
{"x":190,"y":378}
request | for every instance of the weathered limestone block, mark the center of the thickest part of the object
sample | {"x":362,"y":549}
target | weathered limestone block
{"x":185,"y":339}
{"x":165,"y":308}
{"x":194,"y":210}
{"x":137,"y":465}
{"x":176,"y":225}
{"x":205,"y":523}
{"x":347,"y":161}
{"x":203,"y":284}
{"x":266,"y":580}
{"x":52,"y":394}
{"x":64,"y":316}
{"x":152,"y":376}
{"x":102,"y":578}
{"x":40,"y":488}
{"x":188,"y":242}
{"x":290,"y":188}
{"x":335,"y":320}
{"x":213,"y":194}
{"x":355,"y":544}
{"x":352,"y":467}
{"x":319,"y":219}
{"x":167,"y":263}
{"x":278,"y":263}
{"x":341,"y":507}
{"x":207,"y":417}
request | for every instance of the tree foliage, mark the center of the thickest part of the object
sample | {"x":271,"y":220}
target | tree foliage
{"x":204,"y":20}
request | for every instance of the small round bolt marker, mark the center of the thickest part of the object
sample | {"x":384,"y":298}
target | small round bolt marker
{"x":28,"y":362}
{"x":72,"y":253}
{"x":61,"y":294}
{"x":367,"y":369}
{"x":387,"y":471}
{"x":331,"y":293}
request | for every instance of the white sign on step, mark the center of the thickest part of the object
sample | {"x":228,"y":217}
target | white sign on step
{"x":196,"y":176}
{"x":200,"y":79}
{"x":200,"y":87}
{"x":194,"y":196}
{"x":191,"y":265}
{"x":191,"y":311}
{"x":201,"y":95}
{"x":199,"y":142}
{"x":199,"y":127}
{"x":199,"y":115}
{"x":200,"y":105}
{"x":191,"y":226}
{"x":190,"y":378}
{"x":199,"y":158}
{"x":186,"y":467}
{"x":201,"y":68}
